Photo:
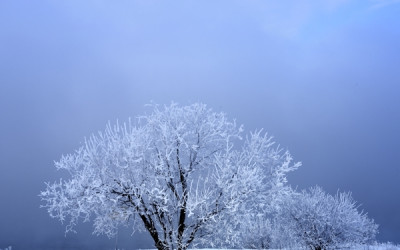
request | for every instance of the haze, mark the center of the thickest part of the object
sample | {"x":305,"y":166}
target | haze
{"x":322,"y":77}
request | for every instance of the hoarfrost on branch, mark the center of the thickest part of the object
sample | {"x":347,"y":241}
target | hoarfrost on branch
{"x":181,"y":173}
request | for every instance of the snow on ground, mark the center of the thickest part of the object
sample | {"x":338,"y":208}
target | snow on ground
{"x":385,"y":246}
{"x":379,"y":246}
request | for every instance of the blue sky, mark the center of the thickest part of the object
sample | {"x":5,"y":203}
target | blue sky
{"x":321,"y":76}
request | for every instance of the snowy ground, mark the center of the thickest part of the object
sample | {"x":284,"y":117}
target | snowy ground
{"x":380,"y":246}
{"x":373,"y":247}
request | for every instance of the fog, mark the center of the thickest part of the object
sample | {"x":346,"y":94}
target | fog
{"x":322,"y":78}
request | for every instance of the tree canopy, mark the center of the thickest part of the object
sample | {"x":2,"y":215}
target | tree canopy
{"x":181,"y":173}
{"x":190,"y":176}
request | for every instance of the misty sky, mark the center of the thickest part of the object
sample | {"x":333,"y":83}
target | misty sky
{"x":322,"y":77}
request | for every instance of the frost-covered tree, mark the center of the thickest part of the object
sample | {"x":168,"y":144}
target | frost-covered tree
{"x":252,"y":227}
{"x":321,"y":221}
{"x":180,"y":173}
